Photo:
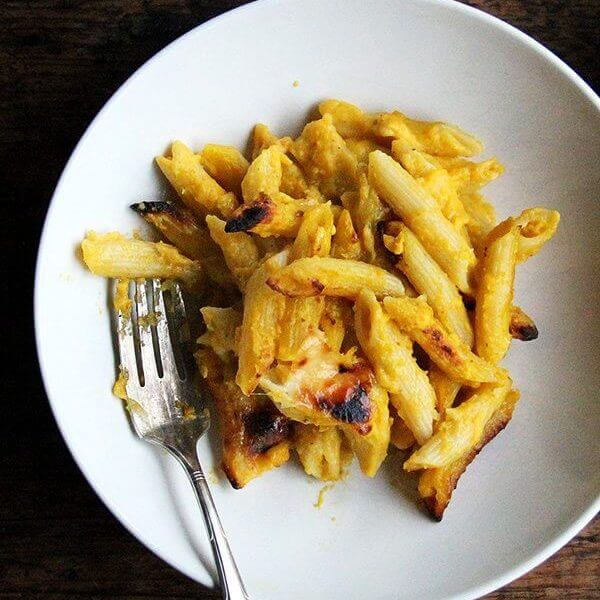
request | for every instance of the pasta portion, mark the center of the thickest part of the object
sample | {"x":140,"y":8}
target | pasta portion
{"x":356,"y":293}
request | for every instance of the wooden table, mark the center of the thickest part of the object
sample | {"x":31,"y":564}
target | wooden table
{"x":60,"y":61}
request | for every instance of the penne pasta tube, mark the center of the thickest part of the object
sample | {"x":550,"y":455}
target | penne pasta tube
{"x":295,"y":184}
{"x":423,"y":216}
{"x":198,"y":190}
{"x":465,"y":175}
{"x":495,"y":292}
{"x":436,"y":181}
{"x":461,"y":428}
{"x":371,"y":449}
{"x":390,"y":353}
{"x":263,"y":138}
{"x":429,"y":279}
{"x":437,"y":485}
{"x":470,"y":175}
{"x":113,"y":255}
{"x":263,"y":176}
{"x":446,"y":350}
{"x":263,"y":309}
{"x":315,"y":233}
{"x":226,"y":165}
{"x":537,"y":226}
{"x":349,"y":120}
{"x":361,"y":148}
{"x":178,"y":225}
{"x":367,"y":211}
{"x":334,"y":277}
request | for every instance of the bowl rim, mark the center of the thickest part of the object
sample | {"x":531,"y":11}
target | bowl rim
{"x":569,"y":531}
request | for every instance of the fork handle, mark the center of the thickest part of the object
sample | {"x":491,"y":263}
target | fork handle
{"x":229,"y":576}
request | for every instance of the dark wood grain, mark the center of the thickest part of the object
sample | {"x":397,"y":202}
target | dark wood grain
{"x":59,"y":62}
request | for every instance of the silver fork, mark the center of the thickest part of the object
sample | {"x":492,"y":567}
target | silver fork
{"x":166,"y":408}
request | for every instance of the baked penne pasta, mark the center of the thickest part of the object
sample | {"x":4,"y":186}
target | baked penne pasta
{"x":495,"y":292}
{"x":198,"y":190}
{"x":446,"y":350}
{"x":114,"y":255}
{"x":343,"y":290}
{"x":429,"y":279}
{"x":334,"y":277}
{"x":390,"y":353}
{"x":423,"y":216}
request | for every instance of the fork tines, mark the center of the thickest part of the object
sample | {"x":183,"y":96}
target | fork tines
{"x":149,"y":337}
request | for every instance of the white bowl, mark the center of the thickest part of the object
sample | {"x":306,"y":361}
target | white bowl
{"x":536,"y":485}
